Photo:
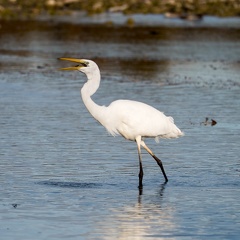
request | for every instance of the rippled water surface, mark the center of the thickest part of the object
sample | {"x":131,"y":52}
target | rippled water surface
{"x":62,"y":176}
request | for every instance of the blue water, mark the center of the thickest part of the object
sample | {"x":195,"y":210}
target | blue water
{"x":64,"y":177}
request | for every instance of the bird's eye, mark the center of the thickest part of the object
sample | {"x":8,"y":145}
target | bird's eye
{"x":85,"y":64}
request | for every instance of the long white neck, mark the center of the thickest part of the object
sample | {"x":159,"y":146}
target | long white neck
{"x":89,"y":88}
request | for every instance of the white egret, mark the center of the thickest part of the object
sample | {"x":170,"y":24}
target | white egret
{"x":131,"y":119}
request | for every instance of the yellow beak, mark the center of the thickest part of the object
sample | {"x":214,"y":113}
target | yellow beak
{"x":81,"y":63}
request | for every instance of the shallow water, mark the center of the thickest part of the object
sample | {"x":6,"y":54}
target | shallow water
{"x":63,"y":177}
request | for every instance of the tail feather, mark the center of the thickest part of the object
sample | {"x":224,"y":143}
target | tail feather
{"x":174,"y":133}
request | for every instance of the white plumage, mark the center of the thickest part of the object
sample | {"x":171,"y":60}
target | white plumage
{"x":131,"y":119}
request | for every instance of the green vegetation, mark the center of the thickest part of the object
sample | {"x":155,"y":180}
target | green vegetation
{"x":25,"y":9}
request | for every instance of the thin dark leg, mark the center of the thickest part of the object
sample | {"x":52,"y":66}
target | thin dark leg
{"x":140,"y":175}
{"x":159,"y":162}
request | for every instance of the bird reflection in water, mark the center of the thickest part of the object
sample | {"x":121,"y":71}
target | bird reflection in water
{"x":146,"y":218}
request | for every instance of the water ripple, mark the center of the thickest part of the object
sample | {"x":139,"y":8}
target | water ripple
{"x":70,"y":184}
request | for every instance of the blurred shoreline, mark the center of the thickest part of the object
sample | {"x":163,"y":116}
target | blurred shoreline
{"x":191,"y":10}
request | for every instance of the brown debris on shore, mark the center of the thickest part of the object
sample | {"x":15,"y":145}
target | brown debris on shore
{"x":186,"y":9}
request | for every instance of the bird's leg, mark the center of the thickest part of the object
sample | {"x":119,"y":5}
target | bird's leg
{"x":159,"y":162}
{"x":140,"y":175}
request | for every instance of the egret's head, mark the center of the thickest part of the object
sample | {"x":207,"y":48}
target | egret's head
{"x":83,"y":65}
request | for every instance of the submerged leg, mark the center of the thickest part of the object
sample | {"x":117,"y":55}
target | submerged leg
{"x":159,"y":162}
{"x":140,"y":175}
